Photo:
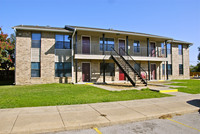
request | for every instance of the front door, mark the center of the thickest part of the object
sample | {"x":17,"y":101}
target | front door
{"x":86,"y":72}
{"x":153,"y":71}
{"x":121,"y":75}
{"x":121,"y":45}
{"x":85,"y":45}
{"x":153,"y":49}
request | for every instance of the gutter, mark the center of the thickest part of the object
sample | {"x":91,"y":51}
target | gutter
{"x":41,"y":29}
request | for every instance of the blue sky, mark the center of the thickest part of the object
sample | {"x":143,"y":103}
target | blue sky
{"x":179,"y":19}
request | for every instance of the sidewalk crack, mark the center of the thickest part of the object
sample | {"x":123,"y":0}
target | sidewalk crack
{"x":133,"y":109}
{"x":60,"y":116}
{"x":14,"y":123}
{"x":99,"y":112}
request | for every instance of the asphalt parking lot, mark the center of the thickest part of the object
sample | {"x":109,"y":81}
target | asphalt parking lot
{"x":182,"y":124}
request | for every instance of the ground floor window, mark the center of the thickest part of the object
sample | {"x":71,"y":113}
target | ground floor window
{"x":109,"y":69}
{"x":63,"y":69}
{"x":163,"y":69}
{"x":180,"y":68}
{"x":169,"y":69}
{"x":35,"y":69}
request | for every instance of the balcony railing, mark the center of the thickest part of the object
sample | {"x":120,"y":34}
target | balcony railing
{"x":132,"y":51}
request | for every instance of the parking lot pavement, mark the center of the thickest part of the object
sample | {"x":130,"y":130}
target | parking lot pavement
{"x":184,"y":124}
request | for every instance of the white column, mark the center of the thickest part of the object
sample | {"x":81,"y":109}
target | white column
{"x":165,"y":71}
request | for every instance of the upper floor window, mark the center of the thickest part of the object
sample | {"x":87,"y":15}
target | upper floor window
{"x":35,"y":69}
{"x":162,"y":48}
{"x":168,"y":48}
{"x":180,"y":48}
{"x":136,"y":46}
{"x":36,"y":40}
{"x":63,"y":69}
{"x":108,"y":44}
{"x":63,"y":42}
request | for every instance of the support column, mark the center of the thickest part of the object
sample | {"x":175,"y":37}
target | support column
{"x":76,"y":73}
{"x":165,"y":70}
{"x":149,"y":69}
{"x":147,"y":47}
{"x":127,"y":44}
{"x":104,"y":72}
{"x":166,"y":57}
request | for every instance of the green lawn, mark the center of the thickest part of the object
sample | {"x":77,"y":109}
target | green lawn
{"x":193,"y":86}
{"x":65,"y":94}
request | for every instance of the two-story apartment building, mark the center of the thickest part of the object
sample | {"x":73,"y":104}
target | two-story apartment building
{"x":76,"y":54}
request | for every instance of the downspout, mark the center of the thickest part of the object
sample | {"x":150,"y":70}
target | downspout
{"x":72,"y":57}
{"x":15,"y":54}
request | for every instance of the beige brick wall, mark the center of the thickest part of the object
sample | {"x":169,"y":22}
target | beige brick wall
{"x":23,"y":60}
{"x":179,"y":59}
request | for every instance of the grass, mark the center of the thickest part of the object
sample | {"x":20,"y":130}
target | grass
{"x":192,"y":86}
{"x":65,"y":94}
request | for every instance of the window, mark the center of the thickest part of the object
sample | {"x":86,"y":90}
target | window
{"x":169,"y":69}
{"x":137,"y":67}
{"x":163,"y":69}
{"x":63,"y":42}
{"x":136,"y":46}
{"x":162,"y":48}
{"x":180,"y":48}
{"x":35,"y":69}
{"x":63,"y":69}
{"x":108,"y":44}
{"x":180,"y":68}
{"x":168,"y":48}
{"x":36,"y":40}
{"x":109,"y":69}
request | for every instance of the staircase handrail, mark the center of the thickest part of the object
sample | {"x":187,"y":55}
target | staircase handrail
{"x":132,"y":60}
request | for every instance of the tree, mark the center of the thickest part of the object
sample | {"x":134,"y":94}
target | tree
{"x":199,"y":54}
{"x":197,"y":67}
{"x":7,"y":46}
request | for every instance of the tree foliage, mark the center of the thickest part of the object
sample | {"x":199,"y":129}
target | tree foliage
{"x":199,"y":54}
{"x":7,"y":46}
{"x":197,"y":67}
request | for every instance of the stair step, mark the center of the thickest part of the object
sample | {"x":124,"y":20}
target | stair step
{"x":130,"y":72}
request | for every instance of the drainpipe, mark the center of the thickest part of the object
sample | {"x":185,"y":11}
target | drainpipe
{"x":72,"y":57}
{"x":15,"y":54}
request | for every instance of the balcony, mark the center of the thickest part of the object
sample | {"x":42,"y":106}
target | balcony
{"x":138,"y":53}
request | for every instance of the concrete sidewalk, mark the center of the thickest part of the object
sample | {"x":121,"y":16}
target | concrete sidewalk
{"x":68,"y":117}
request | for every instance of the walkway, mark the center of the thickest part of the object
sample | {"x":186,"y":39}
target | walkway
{"x":68,"y":117}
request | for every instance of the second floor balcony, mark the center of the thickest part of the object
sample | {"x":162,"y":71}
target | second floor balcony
{"x":137,"y":52}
